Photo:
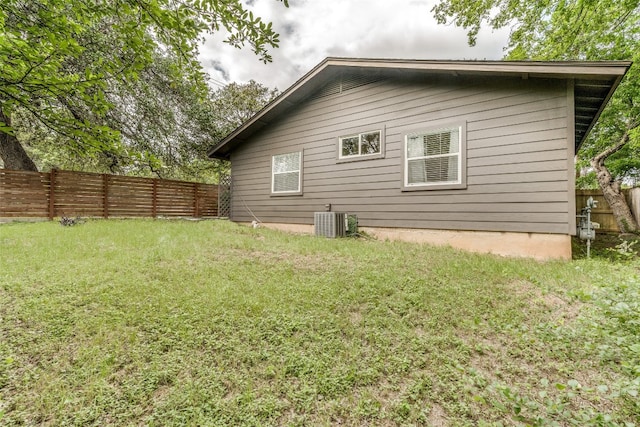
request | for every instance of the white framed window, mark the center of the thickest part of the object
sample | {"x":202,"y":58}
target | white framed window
{"x":434,"y":158}
{"x":360,"y":145}
{"x":286,"y":173}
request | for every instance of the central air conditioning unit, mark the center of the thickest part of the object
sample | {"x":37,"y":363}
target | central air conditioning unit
{"x":330,"y":224}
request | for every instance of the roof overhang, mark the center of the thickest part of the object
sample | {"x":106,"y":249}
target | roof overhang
{"x":594,"y":84}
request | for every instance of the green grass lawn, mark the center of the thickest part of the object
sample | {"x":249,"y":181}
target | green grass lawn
{"x":140,"y":322}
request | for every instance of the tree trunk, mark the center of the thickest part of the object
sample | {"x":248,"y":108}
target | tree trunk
{"x":611,"y":189}
{"x":11,"y":151}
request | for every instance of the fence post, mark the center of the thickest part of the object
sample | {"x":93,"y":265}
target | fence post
{"x":105,"y":195}
{"x":52,"y":198}
{"x":154,"y":199}
{"x":196,"y":201}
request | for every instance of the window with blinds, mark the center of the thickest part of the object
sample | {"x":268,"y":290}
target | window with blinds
{"x":433,"y":158}
{"x":286,"y":173}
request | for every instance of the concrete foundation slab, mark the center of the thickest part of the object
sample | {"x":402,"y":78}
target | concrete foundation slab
{"x":525,"y":245}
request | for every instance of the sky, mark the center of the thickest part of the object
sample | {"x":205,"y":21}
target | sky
{"x":311,"y":30}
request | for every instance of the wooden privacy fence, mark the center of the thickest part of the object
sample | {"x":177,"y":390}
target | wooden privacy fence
{"x":66,"y":193}
{"x":603,"y":214}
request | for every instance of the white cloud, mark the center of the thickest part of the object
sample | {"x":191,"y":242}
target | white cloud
{"x":311,"y":30}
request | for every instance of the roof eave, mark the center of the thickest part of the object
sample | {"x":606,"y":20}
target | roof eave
{"x":280,"y":99}
{"x":614,"y":86}
{"x":533,"y":68}
{"x":558,"y":69}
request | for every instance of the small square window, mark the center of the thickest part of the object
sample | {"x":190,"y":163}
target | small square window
{"x":360,"y":145}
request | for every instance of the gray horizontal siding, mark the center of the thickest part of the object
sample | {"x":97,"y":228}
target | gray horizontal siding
{"x":517,"y":177}
{"x":399,"y":101}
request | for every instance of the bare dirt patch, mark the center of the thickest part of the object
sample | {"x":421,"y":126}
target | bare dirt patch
{"x":559,"y":307}
{"x":437,"y":416}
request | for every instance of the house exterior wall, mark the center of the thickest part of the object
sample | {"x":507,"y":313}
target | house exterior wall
{"x":517,"y":161}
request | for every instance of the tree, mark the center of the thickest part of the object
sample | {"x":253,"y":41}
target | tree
{"x":236,"y":103}
{"x":65,"y":64}
{"x":160,"y":116}
{"x":165,"y":130}
{"x":226,"y":109}
{"x":576,"y":30}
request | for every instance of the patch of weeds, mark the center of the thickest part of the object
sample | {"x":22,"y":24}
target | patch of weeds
{"x":624,"y":251}
{"x":368,"y":408}
{"x":68,"y":222}
{"x":610,"y":246}
{"x":557,"y":408}
{"x":607,"y":333}
{"x":352,"y":225}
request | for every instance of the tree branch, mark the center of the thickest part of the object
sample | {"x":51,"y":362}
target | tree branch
{"x":600,"y":158}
